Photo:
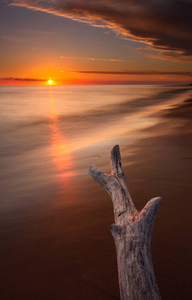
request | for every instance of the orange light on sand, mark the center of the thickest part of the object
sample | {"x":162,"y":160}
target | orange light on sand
{"x":50,"y":82}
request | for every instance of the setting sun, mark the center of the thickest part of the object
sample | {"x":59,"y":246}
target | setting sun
{"x":50,"y":81}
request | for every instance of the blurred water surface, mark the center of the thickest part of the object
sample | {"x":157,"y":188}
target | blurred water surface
{"x":54,"y":220}
{"x":51,"y":134}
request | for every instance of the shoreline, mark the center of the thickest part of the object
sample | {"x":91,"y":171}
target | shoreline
{"x":163,"y":167}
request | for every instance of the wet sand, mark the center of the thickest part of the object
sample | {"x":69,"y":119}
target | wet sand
{"x":163,"y":166}
{"x":59,"y":253}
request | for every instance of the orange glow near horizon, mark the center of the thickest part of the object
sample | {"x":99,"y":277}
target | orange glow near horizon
{"x":75,"y":78}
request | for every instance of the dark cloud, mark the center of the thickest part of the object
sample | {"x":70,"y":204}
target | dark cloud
{"x":137,"y":73}
{"x":163,"y":24}
{"x":22,"y":79}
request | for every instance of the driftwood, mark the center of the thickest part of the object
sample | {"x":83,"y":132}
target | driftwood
{"x":132,"y":233}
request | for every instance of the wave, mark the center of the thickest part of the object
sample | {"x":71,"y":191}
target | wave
{"x":105,"y":113}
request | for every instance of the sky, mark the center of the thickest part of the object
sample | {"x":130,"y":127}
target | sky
{"x":95,"y":42}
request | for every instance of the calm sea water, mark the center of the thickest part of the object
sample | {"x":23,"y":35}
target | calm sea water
{"x":50,"y":135}
{"x":54,"y":220}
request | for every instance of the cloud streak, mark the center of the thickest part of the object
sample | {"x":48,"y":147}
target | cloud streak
{"x":92,"y":58}
{"x":136,"y":73}
{"x":165,"y":25}
{"x":22,"y":79}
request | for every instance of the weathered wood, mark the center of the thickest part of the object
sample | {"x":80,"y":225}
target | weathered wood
{"x":132,"y":233}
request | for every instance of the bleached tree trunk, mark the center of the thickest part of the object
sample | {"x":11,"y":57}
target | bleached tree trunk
{"x":132,"y":233}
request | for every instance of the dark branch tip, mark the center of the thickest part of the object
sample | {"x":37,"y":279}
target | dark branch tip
{"x":116,"y":149}
{"x":149,"y":212}
{"x":92,"y":168}
{"x":116,"y":166}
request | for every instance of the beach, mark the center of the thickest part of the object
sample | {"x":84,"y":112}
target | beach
{"x":55,"y":220}
{"x":164,"y":167}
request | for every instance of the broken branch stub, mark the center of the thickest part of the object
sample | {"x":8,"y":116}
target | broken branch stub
{"x":132,"y":233}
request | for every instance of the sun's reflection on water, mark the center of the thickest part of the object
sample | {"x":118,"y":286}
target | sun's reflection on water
{"x":60,"y":149}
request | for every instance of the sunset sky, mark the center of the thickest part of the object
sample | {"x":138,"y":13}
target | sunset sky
{"x":95,"y":42}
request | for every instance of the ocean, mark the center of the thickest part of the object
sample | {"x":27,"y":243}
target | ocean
{"x":49,"y":136}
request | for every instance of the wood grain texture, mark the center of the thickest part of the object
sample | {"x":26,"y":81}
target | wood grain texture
{"x":132,"y":234}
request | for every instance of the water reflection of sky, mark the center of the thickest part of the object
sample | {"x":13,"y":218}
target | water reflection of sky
{"x":60,"y":150}
{"x":49,"y":136}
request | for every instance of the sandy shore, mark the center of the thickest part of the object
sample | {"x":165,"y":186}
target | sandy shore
{"x":163,"y":166}
{"x":69,"y":253}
